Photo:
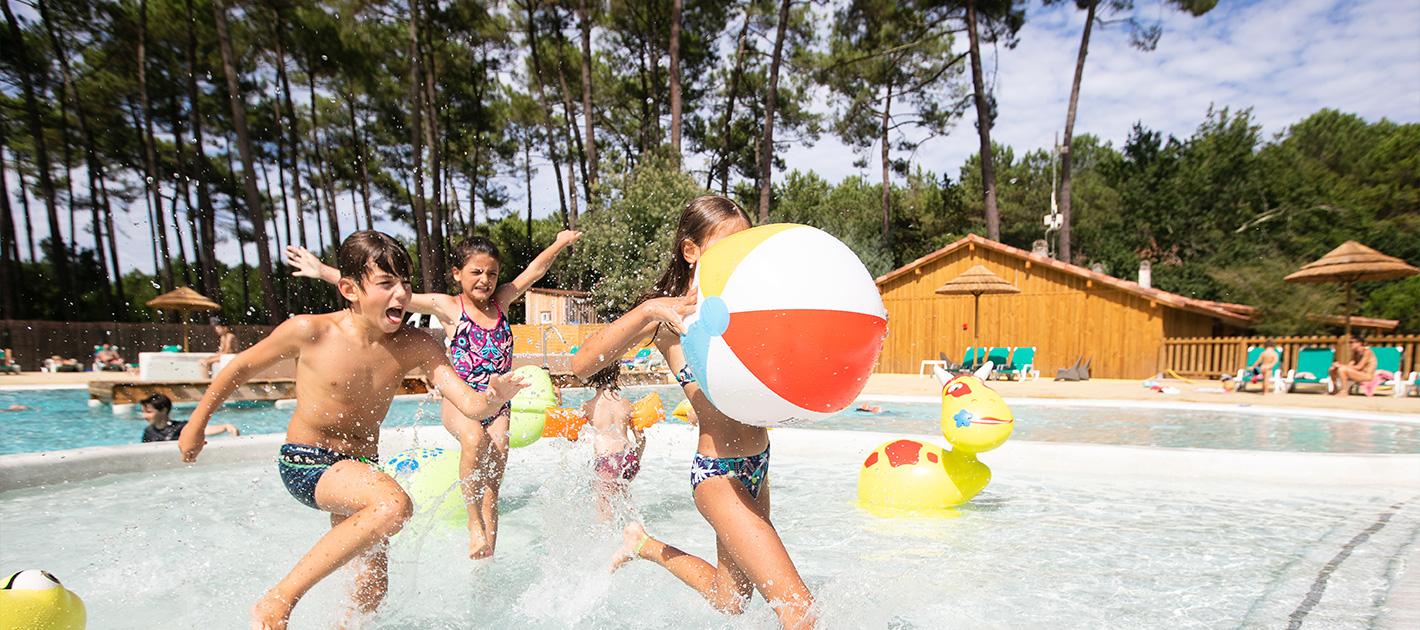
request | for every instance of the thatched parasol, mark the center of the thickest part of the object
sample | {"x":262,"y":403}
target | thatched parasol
{"x":1348,"y":264}
{"x":976,"y":282}
{"x":183,"y":300}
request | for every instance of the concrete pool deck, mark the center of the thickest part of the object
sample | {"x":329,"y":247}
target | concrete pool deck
{"x":914,"y":385}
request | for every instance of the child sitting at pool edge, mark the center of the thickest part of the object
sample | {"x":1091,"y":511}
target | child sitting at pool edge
{"x":162,"y":429}
{"x":617,"y":443}
{"x":349,"y":365}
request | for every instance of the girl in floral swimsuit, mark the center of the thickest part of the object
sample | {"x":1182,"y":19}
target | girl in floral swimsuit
{"x":730,"y":470}
{"x":480,"y":346}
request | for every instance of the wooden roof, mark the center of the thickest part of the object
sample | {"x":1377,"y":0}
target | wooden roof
{"x":1235,"y":314}
{"x":1357,"y":321}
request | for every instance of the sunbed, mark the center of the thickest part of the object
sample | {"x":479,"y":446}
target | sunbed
{"x":1021,"y":366}
{"x":1313,"y":368}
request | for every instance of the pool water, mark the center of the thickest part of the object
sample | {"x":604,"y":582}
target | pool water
{"x":180,"y":548}
{"x":62,"y":419}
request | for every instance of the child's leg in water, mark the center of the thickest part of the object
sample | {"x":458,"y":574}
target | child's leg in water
{"x":495,"y":462}
{"x":473,"y":441}
{"x":750,"y":554}
{"x":373,"y":508}
{"x":371,"y":579}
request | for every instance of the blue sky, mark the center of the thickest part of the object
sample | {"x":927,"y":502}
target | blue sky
{"x":1284,"y":59}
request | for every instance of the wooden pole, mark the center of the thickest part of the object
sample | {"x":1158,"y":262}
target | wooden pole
{"x":976,"y":326}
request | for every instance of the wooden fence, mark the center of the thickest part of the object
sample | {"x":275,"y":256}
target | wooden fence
{"x":34,"y":341}
{"x":1211,"y":357}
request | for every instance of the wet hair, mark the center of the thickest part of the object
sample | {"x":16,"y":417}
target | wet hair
{"x":1358,"y":338}
{"x":699,"y":218}
{"x":218,"y":320}
{"x":367,"y":246}
{"x":472,"y":246}
{"x":1269,"y":343}
{"x":158,"y":402}
{"x":607,"y":378}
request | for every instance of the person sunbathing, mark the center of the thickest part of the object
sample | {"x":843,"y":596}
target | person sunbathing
{"x":1361,"y":369}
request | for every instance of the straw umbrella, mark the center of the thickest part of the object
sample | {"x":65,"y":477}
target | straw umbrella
{"x":1348,"y":264}
{"x":183,"y":300}
{"x":976,"y":282}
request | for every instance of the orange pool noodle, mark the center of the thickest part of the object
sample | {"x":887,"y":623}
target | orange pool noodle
{"x":566,"y":422}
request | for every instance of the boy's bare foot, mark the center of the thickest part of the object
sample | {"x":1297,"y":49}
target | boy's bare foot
{"x":635,"y":538}
{"x":478,"y":547}
{"x":271,"y":612}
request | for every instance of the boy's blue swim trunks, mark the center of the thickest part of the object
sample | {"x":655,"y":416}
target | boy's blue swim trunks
{"x":301,"y":467}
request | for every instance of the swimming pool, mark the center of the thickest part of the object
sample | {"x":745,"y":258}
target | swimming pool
{"x":62,"y":419}
{"x":1072,"y":536}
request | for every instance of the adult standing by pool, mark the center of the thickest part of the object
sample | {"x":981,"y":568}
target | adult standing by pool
{"x":1361,"y":369}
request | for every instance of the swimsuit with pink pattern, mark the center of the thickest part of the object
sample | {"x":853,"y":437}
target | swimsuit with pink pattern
{"x":479,"y":353}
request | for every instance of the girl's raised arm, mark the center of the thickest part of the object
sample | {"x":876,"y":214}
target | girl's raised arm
{"x":510,"y":292}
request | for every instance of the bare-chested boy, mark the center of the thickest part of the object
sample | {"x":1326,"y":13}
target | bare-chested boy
{"x":349,"y":365}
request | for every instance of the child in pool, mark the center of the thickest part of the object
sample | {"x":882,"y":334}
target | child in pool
{"x":349,"y":366}
{"x":730,"y":471}
{"x":480,"y":346}
{"x":617,"y":446}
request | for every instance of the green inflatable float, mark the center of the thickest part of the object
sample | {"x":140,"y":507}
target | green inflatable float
{"x":530,"y":406}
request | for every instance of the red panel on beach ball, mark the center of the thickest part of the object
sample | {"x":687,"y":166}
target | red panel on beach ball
{"x":821,"y":358}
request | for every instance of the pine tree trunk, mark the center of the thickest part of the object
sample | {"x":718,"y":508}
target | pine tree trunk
{"x":9,"y":247}
{"x":281,"y":172}
{"x":253,"y":196}
{"x":983,"y":127}
{"x":887,"y":181}
{"x":93,"y":171}
{"x":109,"y":230}
{"x":331,"y":214}
{"x":675,"y":80}
{"x":152,"y":181}
{"x":356,"y":138}
{"x":416,"y":132}
{"x":58,"y":255}
{"x":207,"y":215}
{"x":588,"y":114}
{"x":527,"y":177}
{"x":290,"y":127}
{"x":1067,"y":156}
{"x":574,"y":138}
{"x":181,"y":190}
{"x":721,"y":164}
{"x":25,"y":209}
{"x":546,"y":112}
{"x":766,"y":145}
{"x":438,"y":246}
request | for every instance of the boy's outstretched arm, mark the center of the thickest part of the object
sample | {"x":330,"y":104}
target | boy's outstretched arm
{"x":307,"y":265}
{"x":282,"y":343}
{"x":510,"y":292}
{"x":472,"y":404}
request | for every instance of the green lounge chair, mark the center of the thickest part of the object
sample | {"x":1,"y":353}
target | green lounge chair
{"x":1021,"y":366}
{"x":1388,"y":372}
{"x":997,"y":356}
{"x":1313,"y":368}
{"x":1253,"y":353}
{"x":970,"y":358}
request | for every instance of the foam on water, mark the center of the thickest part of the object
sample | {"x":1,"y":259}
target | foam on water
{"x":181,"y":548}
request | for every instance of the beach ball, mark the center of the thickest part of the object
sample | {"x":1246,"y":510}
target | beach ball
{"x":530,"y":406}
{"x":34,"y":599}
{"x":787,"y":327}
{"x":430,"y":477}
{"x":908,"y":476}
{"x":974,"y":417}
